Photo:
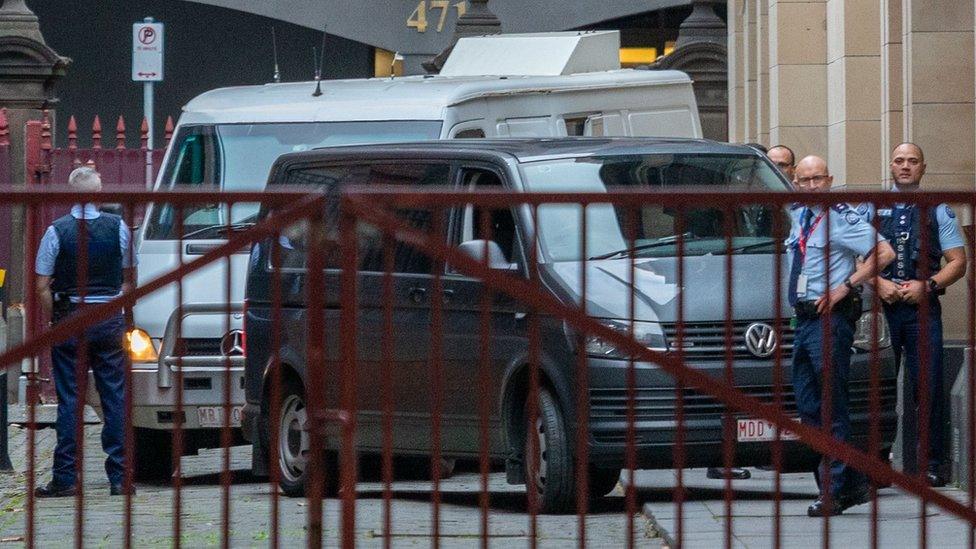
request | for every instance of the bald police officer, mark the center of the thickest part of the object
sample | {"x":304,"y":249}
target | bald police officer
{"x":812,"y":295}
{"x":913,"y":275}
{"x":61,"y":293}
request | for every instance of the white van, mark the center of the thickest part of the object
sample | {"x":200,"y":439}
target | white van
{"x":228,"y":139}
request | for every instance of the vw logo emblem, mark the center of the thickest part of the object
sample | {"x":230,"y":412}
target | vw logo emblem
{"x":232,"y":344}
{"x":760,"y":339}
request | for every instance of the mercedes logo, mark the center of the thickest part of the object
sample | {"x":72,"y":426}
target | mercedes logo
{"x":760,"y":339}
{"x":232,"y":344}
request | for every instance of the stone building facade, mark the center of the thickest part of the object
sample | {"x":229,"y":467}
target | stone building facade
{"x":850,"y":79}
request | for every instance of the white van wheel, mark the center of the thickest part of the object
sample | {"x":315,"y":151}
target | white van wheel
{"x":293,"y":442}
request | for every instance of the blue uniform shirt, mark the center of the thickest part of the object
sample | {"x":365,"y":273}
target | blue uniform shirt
{"x":850,"y":236}
{"x":47,"y":252}
{"x":949,"y":234}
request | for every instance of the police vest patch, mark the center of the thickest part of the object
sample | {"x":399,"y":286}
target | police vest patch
{"x":862,"y":209}
{"x":949,"y":212}
{"x":852,"y":217}
{"x":884,"y":212}
{"x":840,"y":208}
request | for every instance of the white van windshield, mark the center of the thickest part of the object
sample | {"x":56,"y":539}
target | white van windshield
{"x":238,"y":157}
{"x":653,"y":228}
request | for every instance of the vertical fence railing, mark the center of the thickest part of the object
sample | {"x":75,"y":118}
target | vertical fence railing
{"x":320,"y":310}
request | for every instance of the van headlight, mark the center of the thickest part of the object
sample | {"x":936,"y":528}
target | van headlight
{"x":140,"y":346}
{"x":648,"y":334}
{"x":863,"y":331}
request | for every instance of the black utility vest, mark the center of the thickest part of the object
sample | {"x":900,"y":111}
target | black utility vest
{"x":905,"y":236}
{"x":104,"y":276}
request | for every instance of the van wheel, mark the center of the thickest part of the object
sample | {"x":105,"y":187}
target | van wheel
{"x":553,"y":478}
{"x":602,"y":481}
{"x":294,"y":446}
{"x":154,"y":455}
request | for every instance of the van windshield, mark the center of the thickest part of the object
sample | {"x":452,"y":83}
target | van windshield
{"x":238,"y":157}
{"x":654,"y":228}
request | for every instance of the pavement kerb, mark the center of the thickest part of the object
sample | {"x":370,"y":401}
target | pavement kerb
{"x":659,"y":529}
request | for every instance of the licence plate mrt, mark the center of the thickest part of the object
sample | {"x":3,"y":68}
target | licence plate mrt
{"x":760,"y":430}
{"x":213,"y":416}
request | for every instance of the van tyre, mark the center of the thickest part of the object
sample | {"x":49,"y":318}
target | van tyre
{"x":553,"y":479}
{"x":154,"y":455}
{"x":294,"y":450}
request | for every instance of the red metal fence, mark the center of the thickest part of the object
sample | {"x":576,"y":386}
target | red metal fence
{"x":493,"y":360}
{"x":47,"y":166}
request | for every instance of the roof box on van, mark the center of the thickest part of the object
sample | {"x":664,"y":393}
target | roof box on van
{"x":535,"y":54}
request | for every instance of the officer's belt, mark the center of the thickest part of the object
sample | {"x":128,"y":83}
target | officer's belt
{"x":805,"y":310}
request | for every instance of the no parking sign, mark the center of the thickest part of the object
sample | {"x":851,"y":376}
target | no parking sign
{"x":147,"y":52}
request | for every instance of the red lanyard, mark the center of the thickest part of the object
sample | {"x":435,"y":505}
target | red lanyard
{"x":805,"y":235}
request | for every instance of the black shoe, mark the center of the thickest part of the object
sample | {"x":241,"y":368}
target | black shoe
{"x":735,"y":473}
{"x":857,"y":496}
{"x":820,"y":508}
{"x":935,"y":479}
{"x":119,"y":490}
{"x":54,"y":490}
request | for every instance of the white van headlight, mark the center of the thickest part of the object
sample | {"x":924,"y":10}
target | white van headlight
{"x":863,"y":331}
{"x":648,"y":334}
{"x":140,"y":346}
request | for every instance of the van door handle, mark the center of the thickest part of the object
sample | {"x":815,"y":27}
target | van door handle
{"x":417,"y":294}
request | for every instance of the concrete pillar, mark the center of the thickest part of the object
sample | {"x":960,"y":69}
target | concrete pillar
{"x":798,"y":75}
{"x":28,"y":71}
{"x":762,"y":77}
{"x":854,"y":92}
{"x":937,"y":47}
{"x":938,"y":85}
{"x":736,"y":63}
{"x":892,"y":95}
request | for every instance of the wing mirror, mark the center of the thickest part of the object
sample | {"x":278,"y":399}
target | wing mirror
{"x":475,"y":249}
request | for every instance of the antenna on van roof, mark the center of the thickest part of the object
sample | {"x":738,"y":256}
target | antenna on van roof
{"x":274,"y":51}
{"x":319,"y":61}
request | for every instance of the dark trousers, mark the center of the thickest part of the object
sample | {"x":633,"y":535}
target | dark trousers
{"x":906,"y":340}
{"x":808,"y":380}
{"x":106,"y":359}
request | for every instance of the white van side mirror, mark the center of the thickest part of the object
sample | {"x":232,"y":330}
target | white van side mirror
{"x":475,"y":249}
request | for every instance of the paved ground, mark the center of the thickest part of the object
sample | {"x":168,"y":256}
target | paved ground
{"x":704,"y":515}
{"x":201,"y":510}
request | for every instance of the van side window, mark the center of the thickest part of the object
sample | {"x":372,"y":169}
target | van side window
{"x":294,"y":240}
{"x":501,"y":221}
{"x":194,"y":164}
{"x":576,"y":126}
{"x":406,"y":259}
{"x":470,"y":133}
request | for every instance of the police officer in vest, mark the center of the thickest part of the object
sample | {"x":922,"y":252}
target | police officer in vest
{"x":812,"y":295}
{"x":109,"y":265}
{"x":914,"y":277}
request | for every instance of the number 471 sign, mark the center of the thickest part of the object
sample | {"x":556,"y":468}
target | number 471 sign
{"x":147,"y":52}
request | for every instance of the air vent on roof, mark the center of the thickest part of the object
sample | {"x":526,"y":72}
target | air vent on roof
{"x":536,"y":54}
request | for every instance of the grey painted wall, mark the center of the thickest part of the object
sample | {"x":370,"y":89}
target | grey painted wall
{"x":206,"y":47}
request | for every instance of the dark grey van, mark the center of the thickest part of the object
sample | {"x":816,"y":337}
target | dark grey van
{"x":544,"y":165}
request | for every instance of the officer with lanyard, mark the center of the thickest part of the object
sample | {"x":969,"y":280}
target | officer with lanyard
{"x":812,"y":297}
{"x":911,"y":278}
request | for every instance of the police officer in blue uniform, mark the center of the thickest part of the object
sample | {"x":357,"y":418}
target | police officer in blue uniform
{"x":812,"y":295}
{"x":109,"y":265}
{"x":915,"y":276}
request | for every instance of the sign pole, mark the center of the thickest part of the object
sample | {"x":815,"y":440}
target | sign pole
{"x":147,"y":100}
{"x":147,"y":67}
